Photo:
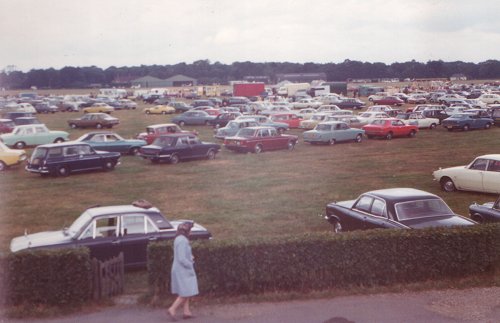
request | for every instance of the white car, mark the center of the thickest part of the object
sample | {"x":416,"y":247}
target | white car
{"x":306,"y":103}
{"x":379,"y":108}
{"x":367,"y":117}
{"x":306,"y":113}
{"x":490,"y":98}
{"x":482,"y":175}
{"x":328,"y":108}
{"x":421,"y":121}
{"x":377,"y":96}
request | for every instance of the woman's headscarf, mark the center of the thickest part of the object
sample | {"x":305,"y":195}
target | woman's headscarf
{"x":185,"y":228}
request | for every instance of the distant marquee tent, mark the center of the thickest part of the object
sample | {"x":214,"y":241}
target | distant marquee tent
{"x":152,"y":82}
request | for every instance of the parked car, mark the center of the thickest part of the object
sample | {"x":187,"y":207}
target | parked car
{"x":291,"y":119}
{"x":109,"y":230}
{"x":447,"y":98}
{"x":61,"y":159}
{"x":193,"y":118}
{"x":419,"y":120}
{"x":490,"y":98}
{"x":332,"y":132}
{"x":176,"y":147}
{"x":495,"y":114}
{"x":466,"y":121}
{"x":180,"y":106}
{"x":389,"y":128}
{"x":125,"y":104}
{"x":32,"y":135}
{"x":393,"y":208}
{"x":313,"y":121}
{"x":417,"y":99}
{"x":10,"y":157}
{"x":368,"y":117}
{"x":156,"y":130}
{"x":485,"y":213}
{"x":259,"y":139}
{"x":265,"y":122}
{"x":233,"y":127}
{"x":13,"y":115}
{"x":201,"y":103}
{"x":350,"y":103}
{"x":435,"y":114}
{"x":351,"y":121}
{"x":94,"y":120}
{"x":223,"y":119}
{"x":45,"y":107}
{"x":98,"y":107}
{"x":306,"y":103}
{"x":481,"y":175}
{"x":26,"y":120}
{"x":274,"y":109}
{"x":6,"y":125}
{"x":159,"y":109}
{"x":110,"y":141}
{"x":306,"y":114}
{"x":389,"y":100}
{"x":327,"y":108}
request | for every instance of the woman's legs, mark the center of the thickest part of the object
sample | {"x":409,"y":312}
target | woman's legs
{"x":187,"y":311}
{"x":178,"y":302}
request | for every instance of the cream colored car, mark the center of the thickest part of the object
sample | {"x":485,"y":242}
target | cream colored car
{"x":160,"y":109}
{"x":482,"y":175}
{"x":10,"y":157}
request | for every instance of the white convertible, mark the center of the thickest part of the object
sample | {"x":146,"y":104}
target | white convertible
{"x":482,"y":175}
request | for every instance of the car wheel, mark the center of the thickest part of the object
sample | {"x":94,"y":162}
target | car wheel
{"x":211,"y":154}
{"x":412,"y":134}
{"x":182,"y":123}
{"x":164,"y":112}
{"x":465,"y":127}
{"x":63,"y":171}
{"x":337,"y":227}
{"x":496,"y":102}
{"x":487,"y":126}
{"x":109,"y":165}
{"x":388,"y":136}
{"x":72,"y":126}
{"x":134,"y":151}
{"x":19,"y":145}
{"x":331,"y":142}
{"x":291,"y":145}
{"x":359,"y":138}
{"x":447,"y":184}
{"x":58,"y":140}
{"x":432,"y":126}
{"x":174,"y":159}
{"x":98,"y":126}
{"x":257,"y":149}
{"x":2,"y":166}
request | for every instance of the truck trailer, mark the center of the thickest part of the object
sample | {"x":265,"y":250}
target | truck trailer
{"x":248,"y":89}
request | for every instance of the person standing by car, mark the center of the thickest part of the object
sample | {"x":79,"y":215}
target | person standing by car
{"x":183,"y":277}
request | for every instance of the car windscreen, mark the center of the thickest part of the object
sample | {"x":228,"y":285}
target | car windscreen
{"x":246,"y":133}
{"x":323,"y":127}
{"x":164,"y":141}
{"x":79,"y":224}
{"x":39,"y":152}
{"x":421,"y":209}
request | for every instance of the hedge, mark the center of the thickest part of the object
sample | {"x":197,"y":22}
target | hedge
{"x":51,"y":277}
{"x":320,"y":261}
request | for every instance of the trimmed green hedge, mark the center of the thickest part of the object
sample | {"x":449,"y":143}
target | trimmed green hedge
{"x":319,"y":261}
{"x":51,"y":277}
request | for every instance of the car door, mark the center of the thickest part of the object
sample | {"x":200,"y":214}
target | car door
{"x":113,"y":143}
{"x":136,"y":232}
{"x":182,"y":147}
{"x":87,"y":158}
{"x":102,"y":237}
{"x":355,"y":219}
{"x":471,"y":178}
{"x":98,"y":141}
{"x":198,"y":149}
{"x":491,"y":178}
{"x":399,"y":128}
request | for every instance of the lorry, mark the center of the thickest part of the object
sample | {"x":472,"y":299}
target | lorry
{"x":290,"y":88}
{"x":248,"y":89}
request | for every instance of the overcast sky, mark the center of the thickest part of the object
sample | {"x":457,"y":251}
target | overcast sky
{"x":58,"y":33}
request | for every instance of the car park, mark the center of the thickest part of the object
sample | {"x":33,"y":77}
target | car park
{"x":94,"y":120}
{"x":481,"y":175}
{"x":350,"y":103}
{"x":176,"y":147}
{"x":46,"y":107}
{"x":62,"y":159}
{"x":193,"y":117}
{"x":110,"y":141}
{"x":98,"y":107}
{"x":389,"y":128}
{"x":265,"y":122}
{"x":156,"y":130}
{"x":32,"y":135}
{"x":233,"y":127}
{"x":313,"y":121}
{"x":159,"y":109}
{"x":490,"y":98}
{"x":392,"y":208}
{"x":485,"y":213}
{"x":389,"y":100}
{"x":466,"y":121}
{"x":368,"y":117}
{"x":332,"y":132}
{"x":259,"y":139}
{"x":10,"y":157}
{"x":108,"y":230}
{"x":419,"y":120}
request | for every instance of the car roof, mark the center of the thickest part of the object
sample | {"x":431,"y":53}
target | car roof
{"x":161,"y":125}
{"x":259,"y":127}
{"x":332,"y":122}
{"x":490,"y":156}
{"x":177,"y":134}
{"x":62,"y":144}
{"x":114,"y":209}
{"x":401,"y":194}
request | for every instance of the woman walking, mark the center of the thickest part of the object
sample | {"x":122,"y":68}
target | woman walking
{"x":183,"y":277}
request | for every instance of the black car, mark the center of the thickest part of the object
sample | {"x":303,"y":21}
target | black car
{"x":14,"y":115}
{"x":222,"y":119}
{"x":109,"y":230}
{"x":487,"y":212}
{"x":436,"y":114}
{"x":64,"y":158}
{"x":151,"y":98}
{"x":175,"y":147}
{"x":26,"y":120}
{"x":394,"y":208}
{"x":495,"y":114}
{"x":202,"y":103}
{"x":350,"y":103}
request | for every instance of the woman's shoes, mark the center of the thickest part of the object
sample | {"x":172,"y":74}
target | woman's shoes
{"x":187,"y":317}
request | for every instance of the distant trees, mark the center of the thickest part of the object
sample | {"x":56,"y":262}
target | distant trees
{"x":209,"y":73}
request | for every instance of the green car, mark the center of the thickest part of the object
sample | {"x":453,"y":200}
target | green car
{"x":32,"y":135}
{"x":331,"y":132}
{"x":110,"y":141}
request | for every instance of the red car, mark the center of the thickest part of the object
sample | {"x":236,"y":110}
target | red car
{"x":291,"y":119}
{"x":6,"y":125}
{"x":389,"y":128}
{"x":154,"y":131}
{"x":258,"y":139}
{"x":389,"y":100}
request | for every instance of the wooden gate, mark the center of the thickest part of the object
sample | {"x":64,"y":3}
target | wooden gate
{"x":108,"y":278}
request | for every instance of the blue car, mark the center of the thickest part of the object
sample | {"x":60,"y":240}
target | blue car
{"x":193,"y":117}
{"x":110,"y":141}
{"x":467,"y":121}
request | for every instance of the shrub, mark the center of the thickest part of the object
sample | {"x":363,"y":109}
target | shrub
{"x":319,"y":261}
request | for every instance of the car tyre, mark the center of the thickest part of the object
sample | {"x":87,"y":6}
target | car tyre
{"x":73,"y":125}
{"x":465,"y":127}
{"x":19,"y":145}
{"x":63,"y":171}
{"x":388,"y":136}
{"x":109,"y":165}
{"x":487,"y":126}
{"x":148,"y":112}
{"x":182,"y":123}
{"x":134,"y":151}
{"x":337,"y":227}
{"x":174,"y":159}
{"x":291,"y":145}
{"x":2,"y":166}
{"x":359,"y":138}
{"x":331,"y":142}
{"x":447,"y":184}
{"x":164,"y":112}
{"x":477,"y":217}
{"x":412,"y":134}
{"x":58,"y":140}
{"x":211,"y":154}
{"x":257,"y":149}
{"x":432,"y":126}
{"x":98,"y":126}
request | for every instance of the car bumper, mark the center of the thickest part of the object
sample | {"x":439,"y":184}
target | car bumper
{"x":42,"y":170}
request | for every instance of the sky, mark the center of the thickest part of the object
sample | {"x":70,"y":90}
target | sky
{"x":40,"y":34}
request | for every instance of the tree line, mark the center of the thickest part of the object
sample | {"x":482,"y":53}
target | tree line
{"x":217,"y":73}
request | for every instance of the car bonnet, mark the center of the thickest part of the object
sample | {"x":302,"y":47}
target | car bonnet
{"x":40,"y":239}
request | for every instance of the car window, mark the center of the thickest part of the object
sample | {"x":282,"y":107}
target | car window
{"x":98,"y":138}
{"x":101,"y":228}
{"x":193,"y":141}
{"x":364,"y":203}
{"x":494,"y":166}
{"x":134,"y":224}
{"x":479,"y":164}
{"x":183,"y":141}
{"x":111,"y":138}
{"x":55,"y":152}
{"x":378,"y":208}
{"x":273,"y":132}
{"x":84,"y":150}
{"x":70,"y":151}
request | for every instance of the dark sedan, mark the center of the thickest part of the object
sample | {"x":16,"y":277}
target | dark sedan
{"x":64,"y":158}
{"x":466,"y":121}
{"x":487,"y":212}
{"x":176,"y":147}
{"x":110,"y":141}
{"x":193,"y":117}
{"x":394,"y":208}
{"x":109,"y":230}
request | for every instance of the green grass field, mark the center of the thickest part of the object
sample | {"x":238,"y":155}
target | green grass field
{"x":240,"y":195}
